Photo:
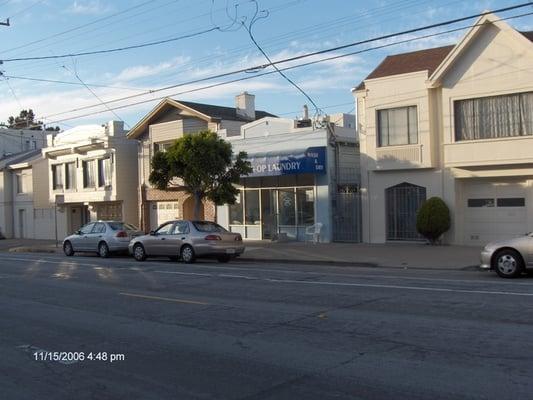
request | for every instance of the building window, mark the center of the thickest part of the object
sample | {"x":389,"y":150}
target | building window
{"x":88,"y":174}
{"x":480,"y":202}
{"x":494,"y":117}
{"x":305,"y":199}
{"x":70,"y":175}
{"x":287,"y":209}
{"x":20,"y":183}
{"x":235,"y":211}
{"x":511,"y":202}
{"x":397,"y":126}
{"x":104,"y":172}
{"x":57,"y":176}
{"x":251,"y":207}
{"x":163,"y":147}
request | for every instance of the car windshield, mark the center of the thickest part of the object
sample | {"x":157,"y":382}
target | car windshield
{"x":206,"y":226}
{"x":117,"y":226}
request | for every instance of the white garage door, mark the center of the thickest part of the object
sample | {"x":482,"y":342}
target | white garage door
{"x":494,"y":211}
{"x":163,"y":211}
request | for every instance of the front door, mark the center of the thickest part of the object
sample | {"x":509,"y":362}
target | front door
{"x":22,"y":219}
{"x":80,"y":240}
{"x":269,"y":215}
{"x":92,"y":239}
{"x":402,"y":203}
{"x":160,"y":242}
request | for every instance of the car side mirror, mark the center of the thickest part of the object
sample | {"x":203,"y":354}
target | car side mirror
{"x":152,"y":233}
{"x":78,"y":232}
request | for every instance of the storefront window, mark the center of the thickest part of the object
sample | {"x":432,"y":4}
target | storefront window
{"x":306,"y":206}
{"x":235,"y":211}
{"x":251,"y":205}
{"x":287,"y":209}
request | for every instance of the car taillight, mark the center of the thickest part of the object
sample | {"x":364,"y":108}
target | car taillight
{"x":213,"y":237}
{"x":238,"y":238}
{"x":121,"y":234}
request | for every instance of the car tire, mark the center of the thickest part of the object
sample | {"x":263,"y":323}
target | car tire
{"x":187,"y":254}
{"x":103,"y":250}
{"x":508,"y":263}
{"x":139,"y":253}
{"x":224,"y":259}
{"x":68,"y":249}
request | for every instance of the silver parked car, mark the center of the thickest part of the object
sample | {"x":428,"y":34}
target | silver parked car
{"x":187,"y":240}
{"x":102,"y":237}
{"x":509,"y":258}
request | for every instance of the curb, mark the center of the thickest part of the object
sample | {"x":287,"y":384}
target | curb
{"x":31,"y":250}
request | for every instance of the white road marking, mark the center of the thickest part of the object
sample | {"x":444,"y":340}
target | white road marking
{"x":142,"y":296}
{"x":183,"y":273}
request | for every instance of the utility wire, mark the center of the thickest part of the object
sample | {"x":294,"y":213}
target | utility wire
{"x":249,"y":28}
{"x":27,"y":78}
{"x":6,"y":80}
{"x":262,"y":66}
{"x":273,"y":72}
{"x":26,"y":8}
{"x":94,"y":94}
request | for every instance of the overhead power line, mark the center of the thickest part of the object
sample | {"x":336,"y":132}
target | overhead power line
{"x":269,"y":72}
{"x":28,"y":78}
{"x":136,"y":46}
{"x":302,"y":56}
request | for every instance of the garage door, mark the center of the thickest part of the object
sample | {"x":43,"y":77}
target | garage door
{"x":163,"y":211}
{"x":494,"y":211}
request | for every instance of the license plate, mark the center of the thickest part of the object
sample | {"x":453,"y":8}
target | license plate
{"x":230,"y":251}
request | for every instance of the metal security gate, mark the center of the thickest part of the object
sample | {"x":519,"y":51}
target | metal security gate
{"x":402,"y":203}
{"x":347,"y":216}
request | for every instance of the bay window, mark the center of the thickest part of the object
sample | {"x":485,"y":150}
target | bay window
{"x":57,"y":177}
{"x":89,"y":180}
{"x":104,"y":172}
{"x":397,"y":126}
{"x":494,"y":117}
{"x":70,"y":175}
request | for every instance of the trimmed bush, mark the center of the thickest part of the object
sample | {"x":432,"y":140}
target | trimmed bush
{"x":433,"y":219}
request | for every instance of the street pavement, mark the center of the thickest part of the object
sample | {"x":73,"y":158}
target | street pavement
{"x":259,"y":331}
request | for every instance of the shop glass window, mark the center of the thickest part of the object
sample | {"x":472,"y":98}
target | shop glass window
{"x":511,"y":202}
{"x":397,"y":126}
{"x":251,"y":207}
{"x":306,"y":206}
{"x":287,"y":207}
{"x":480,"y":202}
{"x":236,"y":211}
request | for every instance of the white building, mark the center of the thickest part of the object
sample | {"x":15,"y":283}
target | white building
{"x":13,"y":141}
{"x":302,"y":176}
{"x":87,"y":173}
{"x":454,"y":122}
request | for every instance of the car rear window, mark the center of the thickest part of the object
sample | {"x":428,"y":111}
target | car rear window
{"x":206,"y":226}
{"x":118,"y":226}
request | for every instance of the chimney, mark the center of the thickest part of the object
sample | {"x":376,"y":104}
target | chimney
{"x":245,"y":105}
{"x":115,"y":128}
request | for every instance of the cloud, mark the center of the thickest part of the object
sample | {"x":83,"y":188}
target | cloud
{"x":144,"y":71}
{"x":90,"y":7}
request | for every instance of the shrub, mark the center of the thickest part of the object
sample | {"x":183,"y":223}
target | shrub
{"x":433,"y":219}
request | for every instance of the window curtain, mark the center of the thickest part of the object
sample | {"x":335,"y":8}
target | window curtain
{"x":397,"y":126}
{"x":107,"y":171}
{"x":494,"y":117}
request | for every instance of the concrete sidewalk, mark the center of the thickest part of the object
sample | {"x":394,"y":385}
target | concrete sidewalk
{"x":411,"y":255}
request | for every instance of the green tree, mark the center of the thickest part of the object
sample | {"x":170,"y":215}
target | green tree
{"x":26,"y":120}
{"x":204,"y":164}
{"x":433,"y":219}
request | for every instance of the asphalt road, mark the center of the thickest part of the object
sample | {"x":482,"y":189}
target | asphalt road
{"x":259,"y":331}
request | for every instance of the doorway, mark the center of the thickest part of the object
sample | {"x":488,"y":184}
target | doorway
{"x":269,"y":215}
{"x":402,"y":203}
{"x":78,"y":216}
{"x":22,"y":220}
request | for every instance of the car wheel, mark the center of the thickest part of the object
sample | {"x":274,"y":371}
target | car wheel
{"x":138,"y":252}
{"x":508,"y":263}
{"x":187,"y":254}
{"x":224,"y":259}
{"x":103,"y":250}
{"x":68,"y":249}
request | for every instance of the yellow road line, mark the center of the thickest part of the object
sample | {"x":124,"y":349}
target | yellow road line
{"x":142,"y":296}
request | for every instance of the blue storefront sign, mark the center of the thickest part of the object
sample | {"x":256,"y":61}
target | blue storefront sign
{"x":310,"y":161}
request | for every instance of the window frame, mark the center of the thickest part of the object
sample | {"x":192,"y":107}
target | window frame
{"x":55,"y":184}
{"x":379,"y":138}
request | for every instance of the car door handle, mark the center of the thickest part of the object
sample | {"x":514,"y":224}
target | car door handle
{"x":163,"y":239}
{"x":183,"y":238}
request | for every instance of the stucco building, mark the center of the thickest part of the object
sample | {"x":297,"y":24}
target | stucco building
{"x":454,"y":122}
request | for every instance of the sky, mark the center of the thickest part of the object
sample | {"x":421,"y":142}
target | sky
{"x":286,"y":28}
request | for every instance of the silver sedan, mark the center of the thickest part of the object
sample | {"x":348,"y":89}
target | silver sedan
{"x":187,"y":240}
{"x":509,"y":258}
{"x":102,"y":237}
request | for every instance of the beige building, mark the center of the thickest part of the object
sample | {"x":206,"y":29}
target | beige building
{"x":168,"y":121}
{"x":86,"y":173}
{"x":454,"y":122}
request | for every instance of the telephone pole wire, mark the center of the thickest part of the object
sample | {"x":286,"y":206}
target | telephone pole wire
{"x":5,"y":23}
